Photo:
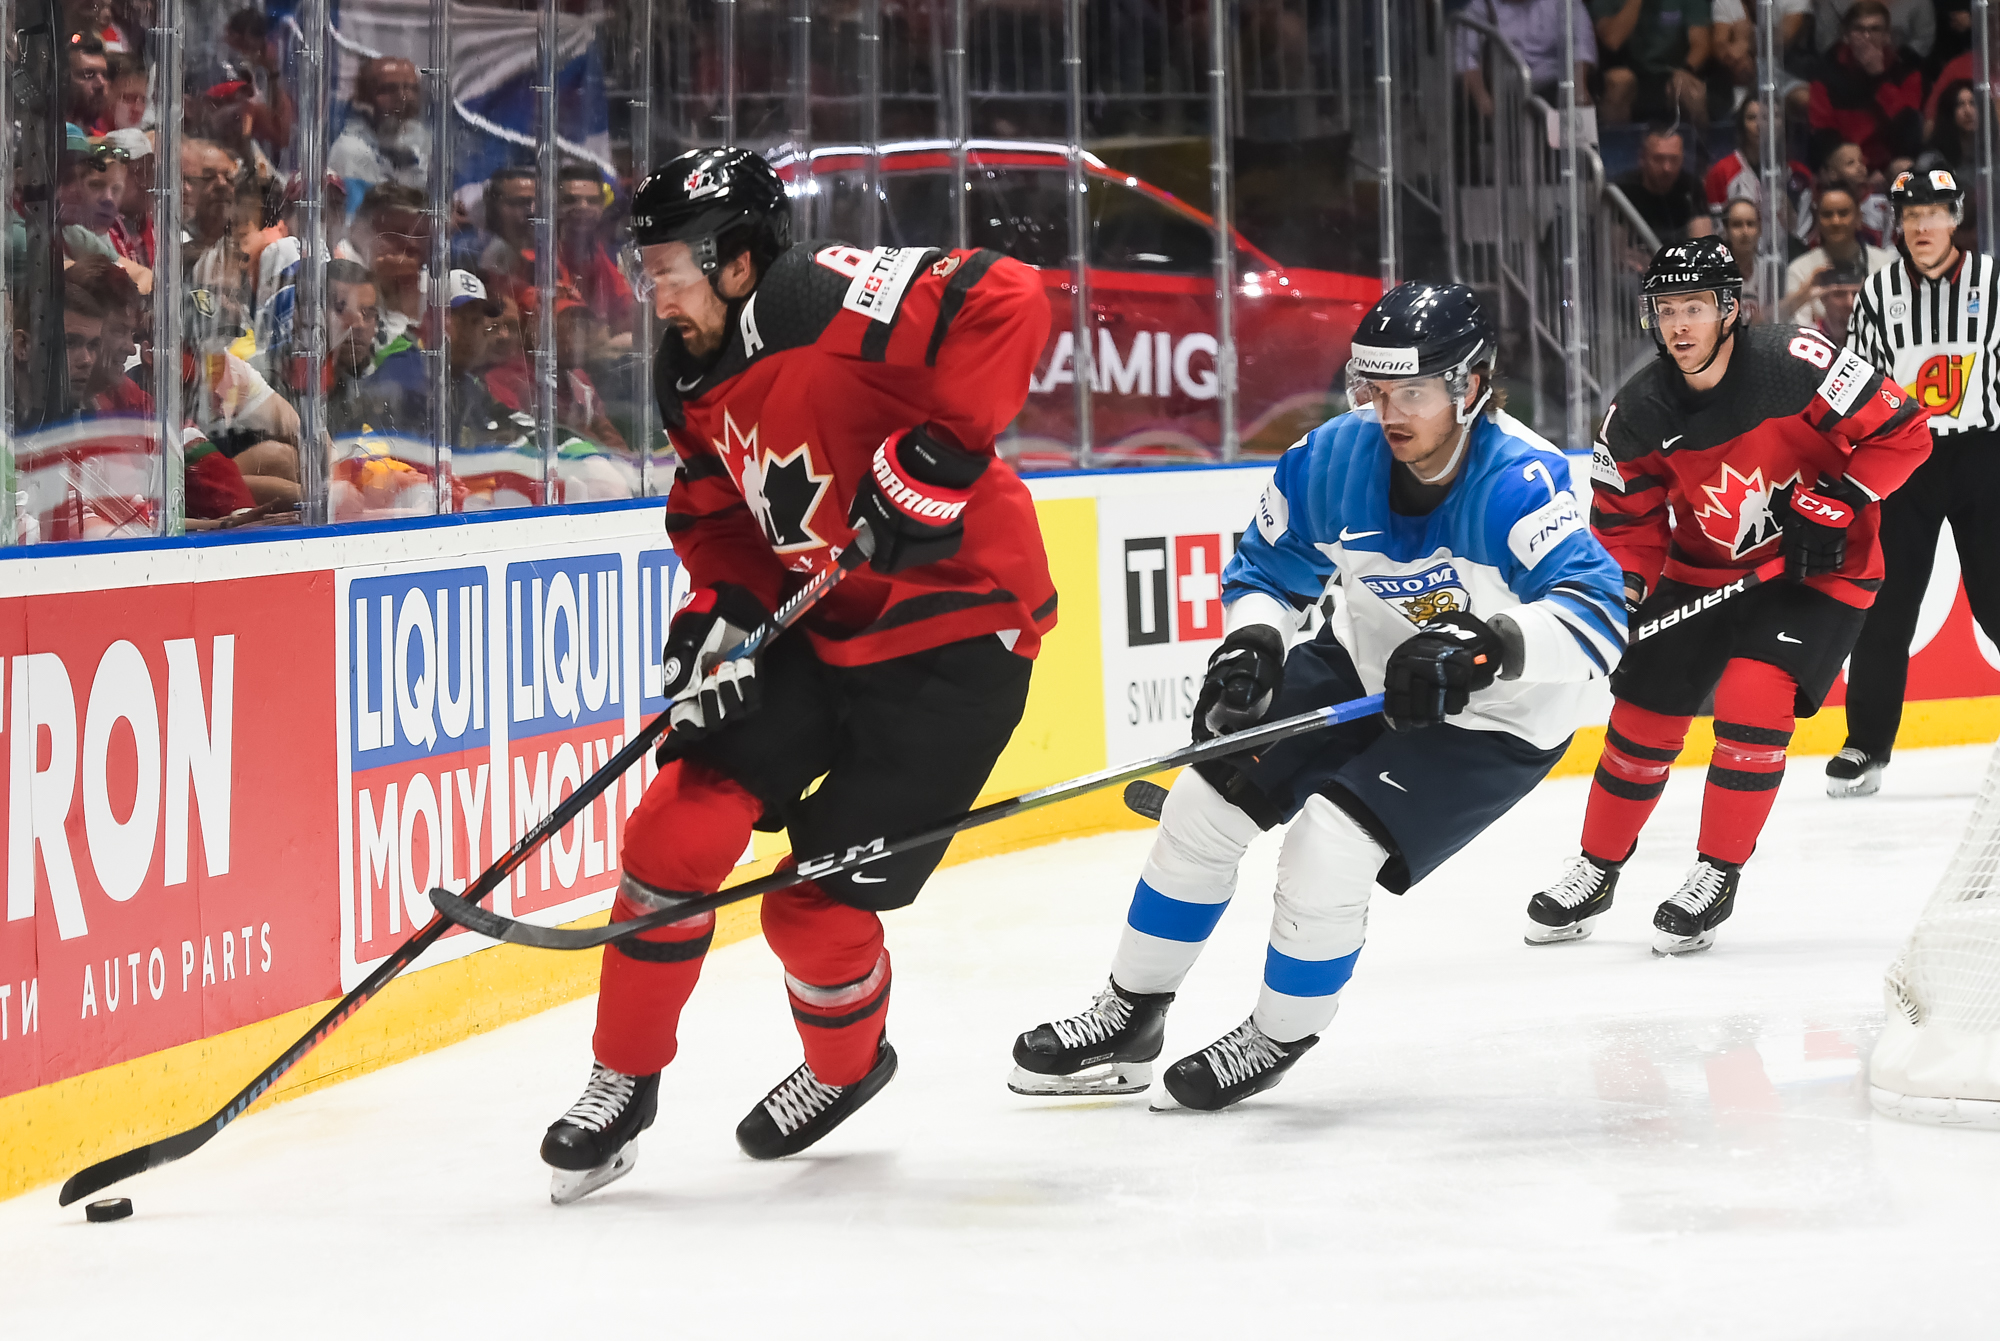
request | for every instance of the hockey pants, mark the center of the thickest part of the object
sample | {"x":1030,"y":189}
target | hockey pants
{"x":1326,"y":873}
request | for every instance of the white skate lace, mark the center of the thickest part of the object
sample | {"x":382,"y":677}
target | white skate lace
{"x":1106,"y":1016}
{"x":604,"y":1098}
{"x":1856,"y":757}
{"x":801,"y":1098}
{"x":1243,"y":1052}
{"x":1580,"y":880}
{"x":1700,"y":890}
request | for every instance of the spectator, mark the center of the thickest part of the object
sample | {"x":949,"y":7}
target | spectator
{"x":255,"y":57}
{"x":1739,"y":173}
{"x":133,"y":233}
{"x":87,"y":196}
{"x":1733,"y":35}
{"x":1955,"y":136}
{"x":510,"y":208}
{"x":507,"y":376}
{"x":391,"y":233}
{"x":382,"y":140}
{"x":580,"y":340}
{"x":1867,"y":93}
{"x":208,"y":192}
{"x":87,"y":86}
{"x":1840,"y":261}
{"x":1665,"y":195}
{"x":1912,"y":26}
{"x":1845,"y":167}
{"x":1534,"y":29}
{"x":1650,"y":52}
{"x":97,"y":19}
{"x":83,"y":342}
{"x":233,"y":405}
{"x":1742,"y":226}
{"x":127,"y":106}
{"x":585,"y":264}
{"x":474,"y":318}
{"x":226,"y":113}
{"x":112,"y":392}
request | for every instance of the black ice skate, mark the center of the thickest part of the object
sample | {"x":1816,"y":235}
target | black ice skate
{"x":1243,"y":1062}
{"x":597,"y":1141}
{"x":1854,"y":772}
{"x":803,"y":1108}
{"x":1565,"y":910}
{"x":1107,"y":1049}
{"x":1686,"y":922}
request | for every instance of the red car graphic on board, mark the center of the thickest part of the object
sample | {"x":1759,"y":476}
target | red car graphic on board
{"x":1151,"y":283}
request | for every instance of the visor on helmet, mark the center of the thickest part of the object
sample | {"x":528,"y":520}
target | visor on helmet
{"x":1701,"y":307}
{"x":1416,"y":397}
{"x":673,"y":268}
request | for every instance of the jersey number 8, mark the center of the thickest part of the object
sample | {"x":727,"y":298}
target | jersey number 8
{"x":1813,"y":348}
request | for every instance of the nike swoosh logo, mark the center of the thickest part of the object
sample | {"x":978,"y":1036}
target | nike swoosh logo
{"x":686,"y":383}
{"x":1347,"y":535}
{"x":1384,"y":775}
{"x":1787,"y":638}
{"x":1671,"y":441}
{"x":860,"y":879}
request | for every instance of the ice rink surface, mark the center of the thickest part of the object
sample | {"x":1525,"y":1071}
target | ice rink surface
{"x":1491,"y":1141}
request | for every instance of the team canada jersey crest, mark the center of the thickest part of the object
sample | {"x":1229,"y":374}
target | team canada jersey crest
{"x":782,"y":491}
{"x":1736,"y":511}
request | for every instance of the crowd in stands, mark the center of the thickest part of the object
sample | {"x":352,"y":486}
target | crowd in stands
{"x":82,"y":300}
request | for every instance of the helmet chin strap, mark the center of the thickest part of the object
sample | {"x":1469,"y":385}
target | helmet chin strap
{"x":1465,"y":419}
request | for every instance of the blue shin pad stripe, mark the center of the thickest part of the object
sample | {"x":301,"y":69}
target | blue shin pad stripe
{"x":1172,"y":919}
{"x":1307,"y":977}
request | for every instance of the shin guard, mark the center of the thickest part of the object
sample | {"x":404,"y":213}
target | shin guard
{"x":1639,"y":749}
{"x":1753,"y":729}
{"x":1185,"y":885}
{"x":837,"y":976}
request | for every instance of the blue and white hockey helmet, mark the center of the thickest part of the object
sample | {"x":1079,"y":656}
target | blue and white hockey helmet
{"x":1428,"y":335}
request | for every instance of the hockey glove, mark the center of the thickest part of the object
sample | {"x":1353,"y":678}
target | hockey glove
{"x":1435,"y":672}
{"x":1816,"y":522}
{"x":1244,"y":676}
{"x":913,"y":502}
{"x":703,"y":688}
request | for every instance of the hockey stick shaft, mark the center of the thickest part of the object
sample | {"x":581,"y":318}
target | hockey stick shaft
{"x":818,"y":868}
{"x":1715,"y":596}
{"x":150,"y":1156}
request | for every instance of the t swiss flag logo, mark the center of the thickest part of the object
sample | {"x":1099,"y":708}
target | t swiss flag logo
{"x":1173,"y":587}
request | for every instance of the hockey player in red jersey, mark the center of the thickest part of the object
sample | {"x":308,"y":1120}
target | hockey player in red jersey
{"x":1739,"y":445}
{"x":814,"y":392}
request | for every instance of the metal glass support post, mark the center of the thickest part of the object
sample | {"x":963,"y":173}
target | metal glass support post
{"x":961,"y":132}
{"x":545,"y":250}
{"x":1982,"y":84}
{"x":639,"y":112}
{"x":1225,"y":241}
{"x":1771,"y":172}
{"x":1575,"y":387}
{"x":1385,"y":111}
{"x":169,"y":285}
{"x":309,"y":309}
{"x":871,"y":120}
{"x":805,"y":199}
{"x":726,"y":17}
{"x":10,"y":483}
{"x":437,"y":293}
{"x":1083,"y":362}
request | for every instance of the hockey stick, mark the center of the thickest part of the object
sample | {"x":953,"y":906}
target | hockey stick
{"x":1715,"y":596}
{"x":165,"y":1151}
{"x":488,"y":923}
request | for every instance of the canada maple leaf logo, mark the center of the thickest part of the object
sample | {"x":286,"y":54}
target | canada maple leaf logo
{"x":1738,"y":514}
{"x":783,"y":491}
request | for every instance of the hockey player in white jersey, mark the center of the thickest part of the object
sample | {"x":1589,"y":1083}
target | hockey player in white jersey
{"x":1473,"y":597}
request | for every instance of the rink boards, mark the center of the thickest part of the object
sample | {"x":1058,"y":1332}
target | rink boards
{"x":235,"y":766}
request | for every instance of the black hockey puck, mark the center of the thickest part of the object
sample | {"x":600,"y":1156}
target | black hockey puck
{"x":105,"y":1211}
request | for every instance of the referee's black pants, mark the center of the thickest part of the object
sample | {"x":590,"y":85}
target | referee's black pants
{"x":1960,"y":484}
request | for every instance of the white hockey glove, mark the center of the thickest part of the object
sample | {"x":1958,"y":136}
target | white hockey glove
{"x":706,"y":690}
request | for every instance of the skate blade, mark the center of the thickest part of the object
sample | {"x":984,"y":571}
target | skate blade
{"x":1109,"y":1078}
{"x":1844,"y":788}
{"x":1537,"y":934}
{"x":571,"y":1185}
{"x":1162,"y":1100}
{"x":1666,"y":946}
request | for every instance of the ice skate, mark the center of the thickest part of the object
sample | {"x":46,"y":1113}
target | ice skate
{"x":1854,"y":772}
{"x":1243,"y":1062}
{"x":1686,"y":922}
{"x":596,"y":1142}
{"x":1566,"y":910}
{"x":804,"y":1108}
{"x":1108,"y":1048}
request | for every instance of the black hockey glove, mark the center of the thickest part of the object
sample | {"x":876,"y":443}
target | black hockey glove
{"x":1816,"y":522}
{"x":1244,"y":676}
{"x":704,"y":689}
{"x":1435,"y":672}
{"x":913,"y":502}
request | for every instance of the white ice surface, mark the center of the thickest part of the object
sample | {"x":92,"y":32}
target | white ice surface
{"x":1493,"y":1140}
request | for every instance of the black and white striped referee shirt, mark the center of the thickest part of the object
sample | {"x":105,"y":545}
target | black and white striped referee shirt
{"x":1939,"y":337}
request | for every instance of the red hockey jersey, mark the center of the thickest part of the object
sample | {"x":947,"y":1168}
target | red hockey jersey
{"x":838,"y":348}
{"x":1684,"y":480}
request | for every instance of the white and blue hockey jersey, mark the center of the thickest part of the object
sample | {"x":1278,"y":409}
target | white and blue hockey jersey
{"x":1508,"y":537}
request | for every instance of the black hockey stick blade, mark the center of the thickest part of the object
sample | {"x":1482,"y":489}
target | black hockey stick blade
{"x":1145,"y":798}
{"x":165,"y":1151}
{"x":1756,"y":577}
{"x":817,"y":868}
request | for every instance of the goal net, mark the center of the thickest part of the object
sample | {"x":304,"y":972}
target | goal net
{"x":1938,"y":1059}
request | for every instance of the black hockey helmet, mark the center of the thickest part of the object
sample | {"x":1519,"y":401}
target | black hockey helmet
{"x":718,"y":201}
{"x":1928,"y":186}
{"x":1425,"y":330}
{"x":1696,"y":265}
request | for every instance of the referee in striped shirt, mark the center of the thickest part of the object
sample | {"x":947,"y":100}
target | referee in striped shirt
{"x":1934,"y":321}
